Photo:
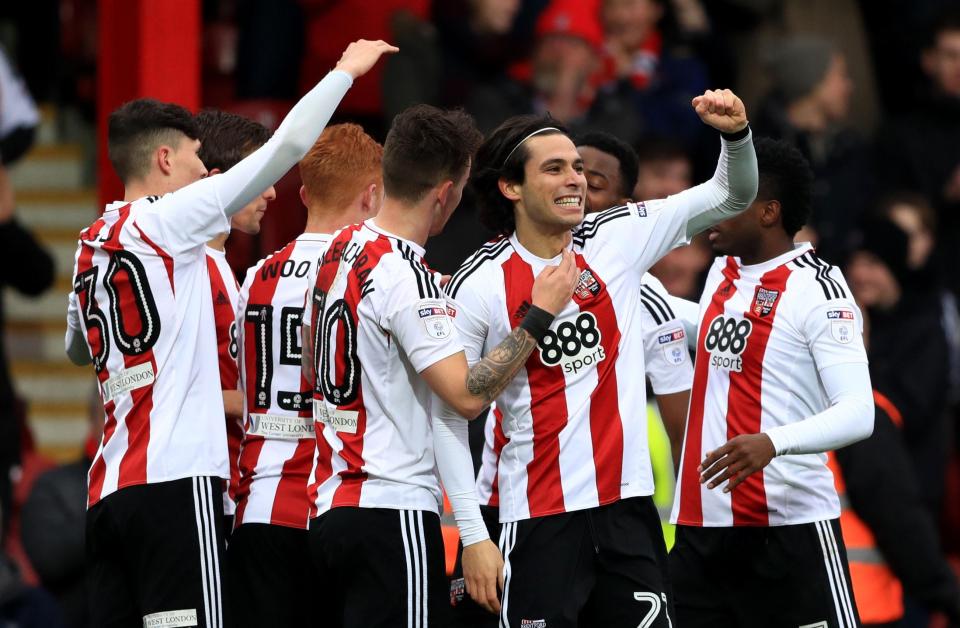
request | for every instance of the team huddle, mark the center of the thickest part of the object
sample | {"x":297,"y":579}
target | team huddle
{"x":276,"y":453}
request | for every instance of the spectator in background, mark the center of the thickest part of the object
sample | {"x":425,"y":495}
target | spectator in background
{"x":907,"y":347}
{"x":640,"y":67}
{"x":28,"y":268}
{"x":52,"y":524}
{"x":19,"y":116}
{"x":666,"y":168}
{"x":921,"y":150}
{"x":809,"y":108}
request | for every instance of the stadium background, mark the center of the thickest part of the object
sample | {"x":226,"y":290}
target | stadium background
{"x":882,"y":131}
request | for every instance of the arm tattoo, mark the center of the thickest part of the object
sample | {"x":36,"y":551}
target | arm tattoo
{"x":490,"y":376}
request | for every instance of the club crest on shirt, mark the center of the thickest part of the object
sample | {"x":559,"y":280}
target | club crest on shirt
{"x":587,"y":286}
{"x":435,"y":319}
{"x":764,"y":302}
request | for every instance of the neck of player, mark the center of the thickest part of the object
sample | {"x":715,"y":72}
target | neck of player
{"x":410,"y":222}
{"x":767,"y":247}
{"x":544,"y":241}
{"x":220,"y":242}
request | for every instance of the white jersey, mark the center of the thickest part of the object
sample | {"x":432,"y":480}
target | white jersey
{"x":378,"y":318}
{"x":142,"y":300}
{"x":766,"y":330}
{"x":667,"y":361}
{"x":278,"y":438}
{"x":225,"y":293}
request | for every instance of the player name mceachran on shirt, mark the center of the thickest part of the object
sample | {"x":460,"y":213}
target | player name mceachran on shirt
{"x":767,"y":332}
{"x":378,"y":318}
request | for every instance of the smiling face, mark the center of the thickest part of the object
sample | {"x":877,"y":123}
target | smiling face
{"x":552,"y":195}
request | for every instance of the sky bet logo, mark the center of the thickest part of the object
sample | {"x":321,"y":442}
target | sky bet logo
{"x":840,"y":315}
{"x":664,"y":339}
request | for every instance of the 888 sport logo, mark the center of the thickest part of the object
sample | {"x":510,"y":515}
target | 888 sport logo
{"x":574,"y":345}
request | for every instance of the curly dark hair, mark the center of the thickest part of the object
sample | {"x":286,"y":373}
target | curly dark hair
{"x":785,"y":176}
{"x":502,"y":156}
{"x":226,"y":138}
{"x":139,"y":127}
{"x":427,"y":145}
{"x":626,"y":157}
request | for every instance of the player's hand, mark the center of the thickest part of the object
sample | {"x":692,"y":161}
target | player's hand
{"x":483,"y":574}
{"x":721,"y":109}
{"x":361,"y":55}
{"x":554,"y":285}
{"x":737,"y":459}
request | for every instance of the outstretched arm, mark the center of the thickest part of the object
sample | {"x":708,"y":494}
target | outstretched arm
{"x":298,"y":131}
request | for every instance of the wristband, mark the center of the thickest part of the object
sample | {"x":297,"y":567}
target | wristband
{"x":537,"y":322}
{"x":736,"y":135}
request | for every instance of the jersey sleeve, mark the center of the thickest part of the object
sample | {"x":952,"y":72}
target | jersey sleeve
{"x":194,"y":214}
{"x":833,"y":329}
{"x":470,"y":316}
{"x":653,"y":228}
{"x":415,"y":312}
{"x":664,"y":342}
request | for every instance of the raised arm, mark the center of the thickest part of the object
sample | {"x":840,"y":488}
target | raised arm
{"x":298,"y":131}
{"x":734,"y":183}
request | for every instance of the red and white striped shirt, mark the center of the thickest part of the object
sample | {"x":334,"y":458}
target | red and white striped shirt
{"x":278,"y":439}
{"x":766,"y":331}
{"x":574,"y":418}
{"x":225,"y":292}
{"x":378,"y":318}
{"x":667,"y":366}
{"x":142,"y":300}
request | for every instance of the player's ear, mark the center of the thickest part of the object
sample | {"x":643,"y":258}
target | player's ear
{"x":213,"y":171}
{"x":371,"y":199}
{"x":770,"y":213}
{"x":303,"y":196}
{"x":443,"y":191}
{"x":163,"y":157}
{"x":510,"y":189}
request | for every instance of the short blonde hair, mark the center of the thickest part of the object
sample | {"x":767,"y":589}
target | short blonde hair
{"x":342,"y":162}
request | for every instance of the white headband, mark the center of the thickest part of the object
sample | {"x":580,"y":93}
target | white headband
{"x":510,"y":154}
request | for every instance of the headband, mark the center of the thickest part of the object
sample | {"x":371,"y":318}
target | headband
{"x":538,"y":131}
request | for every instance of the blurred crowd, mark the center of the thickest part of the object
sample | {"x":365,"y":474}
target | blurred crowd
{"x":868,"y":91}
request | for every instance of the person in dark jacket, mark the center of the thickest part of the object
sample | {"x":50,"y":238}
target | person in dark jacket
{"x":907,"y":347}
{"x":28,"y":268}
{"x":884,"y":493}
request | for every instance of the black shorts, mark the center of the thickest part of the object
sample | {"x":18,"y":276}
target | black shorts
{"x":266,"y":566}
{"x":762,"y":577}
{"x":467,"y":613}
{"x":379,"y":567}
{"x":153,"y":556}
{"x":604,"y":566}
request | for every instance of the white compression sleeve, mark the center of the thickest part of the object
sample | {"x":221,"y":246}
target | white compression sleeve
{"x":293,"y":138}
{"x":451,"y":445}
{"x":848,"y":419}
{"x":731,"y":189}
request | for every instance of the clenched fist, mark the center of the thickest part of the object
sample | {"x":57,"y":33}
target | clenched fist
{"x":721,"y":109}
